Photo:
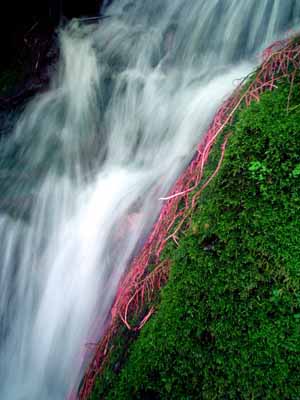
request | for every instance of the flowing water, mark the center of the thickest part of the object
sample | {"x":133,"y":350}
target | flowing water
{"x":82,"y":172}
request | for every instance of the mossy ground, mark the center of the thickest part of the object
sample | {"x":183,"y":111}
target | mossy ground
{"x":228,"y":325}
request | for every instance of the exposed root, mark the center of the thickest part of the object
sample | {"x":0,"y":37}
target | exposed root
{"x":138,"y":288}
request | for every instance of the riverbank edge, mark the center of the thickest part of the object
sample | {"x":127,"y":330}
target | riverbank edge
{"x":140,"y":364}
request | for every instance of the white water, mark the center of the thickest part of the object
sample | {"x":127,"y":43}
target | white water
{"x":127,"y":107}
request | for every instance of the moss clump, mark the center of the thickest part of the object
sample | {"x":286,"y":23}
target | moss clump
{"x":228,"y":326}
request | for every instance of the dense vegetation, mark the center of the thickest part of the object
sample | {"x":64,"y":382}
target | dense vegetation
{"x":228,"y":324}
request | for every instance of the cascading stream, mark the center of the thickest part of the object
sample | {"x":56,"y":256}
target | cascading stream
{"x":84,"y":168}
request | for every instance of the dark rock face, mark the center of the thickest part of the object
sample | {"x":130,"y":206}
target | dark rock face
{"x":28,"y":44}
{"x":37,"y":16}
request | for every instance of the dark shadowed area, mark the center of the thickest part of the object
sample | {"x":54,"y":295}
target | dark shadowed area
{"x":28,"y":43}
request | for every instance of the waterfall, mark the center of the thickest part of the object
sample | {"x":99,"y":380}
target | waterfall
{"x":87,"y":161}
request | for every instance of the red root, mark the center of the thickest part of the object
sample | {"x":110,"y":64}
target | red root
{"x":138,"y":288}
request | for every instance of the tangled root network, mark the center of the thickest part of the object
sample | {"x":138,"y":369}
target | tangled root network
{"x":138,"y":288}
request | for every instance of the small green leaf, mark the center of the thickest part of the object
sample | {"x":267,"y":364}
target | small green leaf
{"x":296,"y":171}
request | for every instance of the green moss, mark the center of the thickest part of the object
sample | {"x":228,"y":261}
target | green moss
{"x":228,"y":325}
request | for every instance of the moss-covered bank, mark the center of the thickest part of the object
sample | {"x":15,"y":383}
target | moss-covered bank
{"x":228,"y":325}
